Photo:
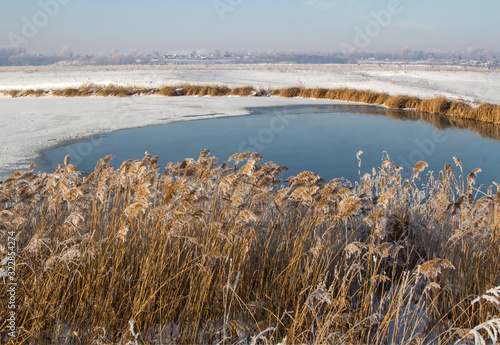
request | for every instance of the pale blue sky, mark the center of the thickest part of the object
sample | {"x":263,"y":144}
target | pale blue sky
{"x":93,"y":26}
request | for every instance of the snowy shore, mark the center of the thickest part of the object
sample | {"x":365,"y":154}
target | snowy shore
{"x":31,"y":125}
{"x":454,"y":82}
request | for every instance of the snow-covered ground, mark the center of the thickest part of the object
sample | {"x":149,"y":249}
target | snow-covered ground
{"x":31,"y":125}
{"x":455,"y":82}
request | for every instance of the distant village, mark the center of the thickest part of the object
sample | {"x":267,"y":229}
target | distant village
{"x":473,"y":57}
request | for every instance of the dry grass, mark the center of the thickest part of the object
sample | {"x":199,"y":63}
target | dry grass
{"x":305,"y":93}
{"x":193,"y":90}
{"x":102,"y":91}
{"x":487,"y":112}
{"x":26,"y":93}
{"x":207,"y":253}
{"x":356,"y":96}
{"x":438,"y":105}
{"x":34,"y":93}
{"x":484,"y":112}
{"x":12,"y":93}
{"x":219,"y":91}
{"x":319,"y":93}
{"x":460,"y":109}
{"x":402,"y":102}
{"x":171,"y":91}
{"x":115,"y":91}
{"x":84,"y":91}
{"x":291,"y":92}
{"x":243,"y":91}
{"x":248,"y":91}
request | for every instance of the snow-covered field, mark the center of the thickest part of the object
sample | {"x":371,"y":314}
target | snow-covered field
{"x":30,"y":125}
{"x":455,"y":82}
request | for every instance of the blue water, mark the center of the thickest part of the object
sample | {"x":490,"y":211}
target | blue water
{"x":321,"y":139}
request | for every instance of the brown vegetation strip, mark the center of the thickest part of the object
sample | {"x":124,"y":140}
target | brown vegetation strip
{"x":206,"y":253}
{"x":485,"y":112}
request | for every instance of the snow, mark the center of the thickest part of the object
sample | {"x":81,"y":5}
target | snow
{"x":455,"y":82}
{"x":31,"y":125}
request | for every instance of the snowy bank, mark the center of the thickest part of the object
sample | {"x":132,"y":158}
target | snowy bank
{"x":453,"y":82}
{"x":31,"y":125}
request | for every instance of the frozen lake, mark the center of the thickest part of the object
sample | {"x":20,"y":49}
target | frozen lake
{"x":323,"y":139}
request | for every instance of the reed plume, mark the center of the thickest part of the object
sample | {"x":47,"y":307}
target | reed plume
{"x":207,"y":253}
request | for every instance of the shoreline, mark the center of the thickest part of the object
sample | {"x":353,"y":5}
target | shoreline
{"x":91,"y":141}
{"x":33,"y":151}
{"x":34,"y":127}
{"x":37,"y":123}
{"x":485,"y":112}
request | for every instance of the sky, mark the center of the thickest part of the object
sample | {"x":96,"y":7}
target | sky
{"x":97,"y":26}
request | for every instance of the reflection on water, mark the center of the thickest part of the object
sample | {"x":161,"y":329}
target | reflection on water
{"x":323,"y":139}
{"x":442,"y":122}
{"x":484,"y":129}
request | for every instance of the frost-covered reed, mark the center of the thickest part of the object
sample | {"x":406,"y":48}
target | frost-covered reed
{"x":227,"y":254}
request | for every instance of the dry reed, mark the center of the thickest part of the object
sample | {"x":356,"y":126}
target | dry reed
{"x":245,"y":91}
{"x":171,"y":91}
{"x":439,"y":105}
{"x":207,"y":253}
{"x":12,"y":93}
{"x":484,"y":112}
{"x":34,"y":93}
{"x":291,"y":92}
{"x":402,"y":102}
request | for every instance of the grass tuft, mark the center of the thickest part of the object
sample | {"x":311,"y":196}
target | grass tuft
{"x":243,"y":91}
{"x":402,"y":102}
{"x":12,"y":93}
{"x":439,"y":105}
{"x":291,"y":92}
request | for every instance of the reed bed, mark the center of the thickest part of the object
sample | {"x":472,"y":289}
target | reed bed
{"x":289,"y":92}
{"x":230,"y":254}
{"x":402,"y":102}
{"x":484,"y":112}
{"x":35,"y":93}
{"x":170,"y":91}
{"x":247,"y":91}
{"x":103,"y":91}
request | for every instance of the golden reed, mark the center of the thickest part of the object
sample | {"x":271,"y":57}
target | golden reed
{"x":485,"y":112}
{"x":201,"y":252}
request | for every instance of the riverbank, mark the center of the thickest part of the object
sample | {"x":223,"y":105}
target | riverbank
{"x":32,"y":125}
